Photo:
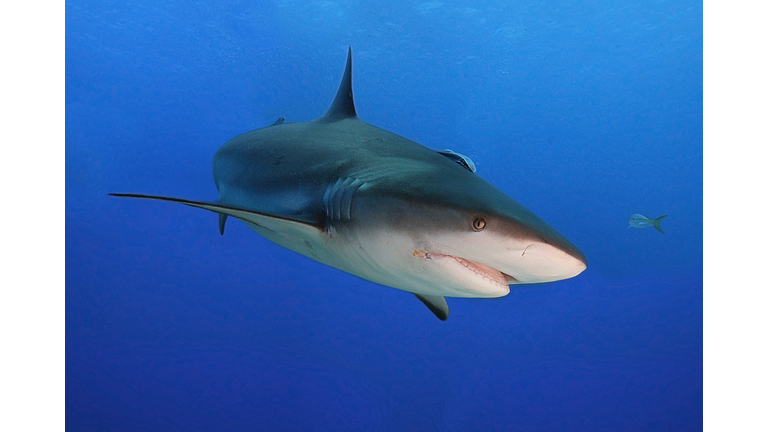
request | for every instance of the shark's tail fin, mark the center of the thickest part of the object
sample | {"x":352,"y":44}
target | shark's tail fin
{"x":656,"y":223}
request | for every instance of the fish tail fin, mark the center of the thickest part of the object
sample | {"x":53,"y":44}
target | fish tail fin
{"x":656,"y":223}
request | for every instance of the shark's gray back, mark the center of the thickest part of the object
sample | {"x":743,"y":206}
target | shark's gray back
{"x":287,"y":168}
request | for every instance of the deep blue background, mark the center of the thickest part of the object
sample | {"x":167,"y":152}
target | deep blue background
{"x":584,"y":112}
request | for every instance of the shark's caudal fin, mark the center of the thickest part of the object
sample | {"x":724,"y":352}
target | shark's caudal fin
{"x":343,"y":105}
{"x":270,"y":221}
{"x":436,"y":304}
{"x":656,"y":223}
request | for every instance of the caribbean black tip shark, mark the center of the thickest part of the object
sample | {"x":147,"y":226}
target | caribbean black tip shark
{"x":384,"y":208}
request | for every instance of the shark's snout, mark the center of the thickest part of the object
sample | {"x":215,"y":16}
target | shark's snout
{"x":545,"y":262}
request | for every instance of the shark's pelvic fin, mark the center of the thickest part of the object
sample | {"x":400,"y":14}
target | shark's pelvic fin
{"x":343,"y":105}
{"x":222,"y":221}
{"x":436,"y":304}
{"x":270,"y":221}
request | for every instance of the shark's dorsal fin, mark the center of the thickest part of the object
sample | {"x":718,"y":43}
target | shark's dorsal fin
{"x":436,"y":304}
{"x":343,"y":105}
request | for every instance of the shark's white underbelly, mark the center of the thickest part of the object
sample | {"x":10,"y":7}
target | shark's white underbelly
{"x":385,"y":258}
{"x":344,"y":254}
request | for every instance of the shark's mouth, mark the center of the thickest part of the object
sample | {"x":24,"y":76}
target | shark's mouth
{"x":481,"y":270}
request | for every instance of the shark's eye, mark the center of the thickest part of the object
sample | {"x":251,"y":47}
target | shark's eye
{"x":478,"y":224}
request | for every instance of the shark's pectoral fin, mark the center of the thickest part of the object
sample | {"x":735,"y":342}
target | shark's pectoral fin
{"x":269,"y":221}
{"x":436,"y":304}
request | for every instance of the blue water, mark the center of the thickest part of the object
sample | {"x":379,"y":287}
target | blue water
{"x":584,"y":112}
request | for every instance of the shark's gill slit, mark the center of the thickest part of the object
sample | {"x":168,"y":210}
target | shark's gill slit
{"x":337,"y":199}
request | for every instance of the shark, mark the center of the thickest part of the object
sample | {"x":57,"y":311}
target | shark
{"x":382,"y":207}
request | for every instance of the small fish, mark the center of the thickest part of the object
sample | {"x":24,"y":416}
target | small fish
{"x":460,"y":159}
{"x":639,"y":221}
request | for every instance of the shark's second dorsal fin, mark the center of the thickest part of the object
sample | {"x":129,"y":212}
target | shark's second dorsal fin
{"x":343,"y":105}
